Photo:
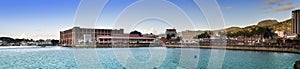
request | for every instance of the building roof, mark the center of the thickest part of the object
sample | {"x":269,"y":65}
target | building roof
{"x":298,"y":10}
{"x":90,"y":29}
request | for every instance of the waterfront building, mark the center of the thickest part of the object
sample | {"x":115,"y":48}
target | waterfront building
{"x":281,"y":34}
{"x":77,"y":36}
{"x":171,"y":35}
{"x":291,"y":36}
{"x":170,"y":32}
{"x":124,"y":40}
{"x":161,"y":36}
{"x":188,"y":36}
{"x":296,"y":21}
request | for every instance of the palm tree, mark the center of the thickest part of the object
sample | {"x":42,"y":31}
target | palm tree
{"x":260,"y":32}
{"x":269,"y":33}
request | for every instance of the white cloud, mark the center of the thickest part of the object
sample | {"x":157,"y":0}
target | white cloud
{"x":277,"y":6}
{"x":284,"y":8}
{"x":272,"y":2}
{"x":151,"y":30}
{"x":32,"y":36}
{"x":3,"y":35}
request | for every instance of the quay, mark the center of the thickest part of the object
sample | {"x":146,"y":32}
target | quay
{"x":246,"y":48}
{"x":287,"y":49}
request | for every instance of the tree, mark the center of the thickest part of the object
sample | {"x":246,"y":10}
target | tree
{"x":269,"y":33}
{"x":204,"y":35}
{"x":260,"y":31}
{"x":169,"y":36}
{"x":136,"y":32}
{"x":19,"y":40}
{"x":41,"y":40}
{"x":54,"y":42}
{"x":7,"y":39}
{"x":178,"y":38}
{"x":232,"y":34}
{"x":222,"y":33}
{"x":297,"y":36}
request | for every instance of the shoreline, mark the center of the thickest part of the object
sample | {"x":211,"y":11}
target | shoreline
{"x":241,"y":48}
{"x":245,"y":48}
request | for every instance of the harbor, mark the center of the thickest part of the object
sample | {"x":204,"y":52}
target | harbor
{"x":67,"y":58}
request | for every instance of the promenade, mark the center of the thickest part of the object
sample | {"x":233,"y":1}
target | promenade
{"x":247,"y":48}
{"x":287,"y":49}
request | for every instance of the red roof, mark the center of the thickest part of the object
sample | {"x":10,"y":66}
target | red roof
{"x":163,"y":40}
{"x":173,"y":38}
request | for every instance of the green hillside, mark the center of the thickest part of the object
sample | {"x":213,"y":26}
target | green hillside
{"x":267,"y":22}
{"x":262,"y":28}
{"x":282,"y":26}
{"x":273,"y":24}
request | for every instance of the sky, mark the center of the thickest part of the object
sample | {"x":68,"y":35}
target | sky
{"x":43,"y":19}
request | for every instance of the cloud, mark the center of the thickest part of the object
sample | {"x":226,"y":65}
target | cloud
{"x":152,"y":30}
{"x":3,"y":35}
{"x":267,"y":7}
{"x":277,"y":5}
{"x":284,"y":8}
{"x":288,"y":3}
{"x":272,"y":2}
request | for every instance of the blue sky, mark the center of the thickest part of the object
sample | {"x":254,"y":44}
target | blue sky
{"x":43,"y":19}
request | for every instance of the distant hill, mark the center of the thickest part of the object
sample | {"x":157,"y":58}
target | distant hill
{"x":282,"y":26}
{"x":233,"y":29}
{"x":273,"y":24}
{"x":267,"y":22}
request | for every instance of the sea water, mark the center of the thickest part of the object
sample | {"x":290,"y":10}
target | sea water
{"x":54,"y":57}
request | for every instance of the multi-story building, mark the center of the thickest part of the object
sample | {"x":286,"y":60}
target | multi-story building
{"x":84,"y":36}
{"x":296,"y":21}
{"x":189,"y":36}
{"x":281,"y":34}
{"x":125,"y":40}
{"x":171,"y":32}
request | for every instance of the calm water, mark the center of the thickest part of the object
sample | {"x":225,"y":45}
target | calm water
{"x":118,"y":58}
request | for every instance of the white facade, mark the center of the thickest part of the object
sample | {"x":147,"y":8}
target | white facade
{"x":189,"y":36}
{"x":280,"y":34}
{"x":87,"y":38}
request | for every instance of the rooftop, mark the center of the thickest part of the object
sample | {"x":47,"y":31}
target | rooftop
{"x":297,"y":10}
{"x":91,"y":28}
